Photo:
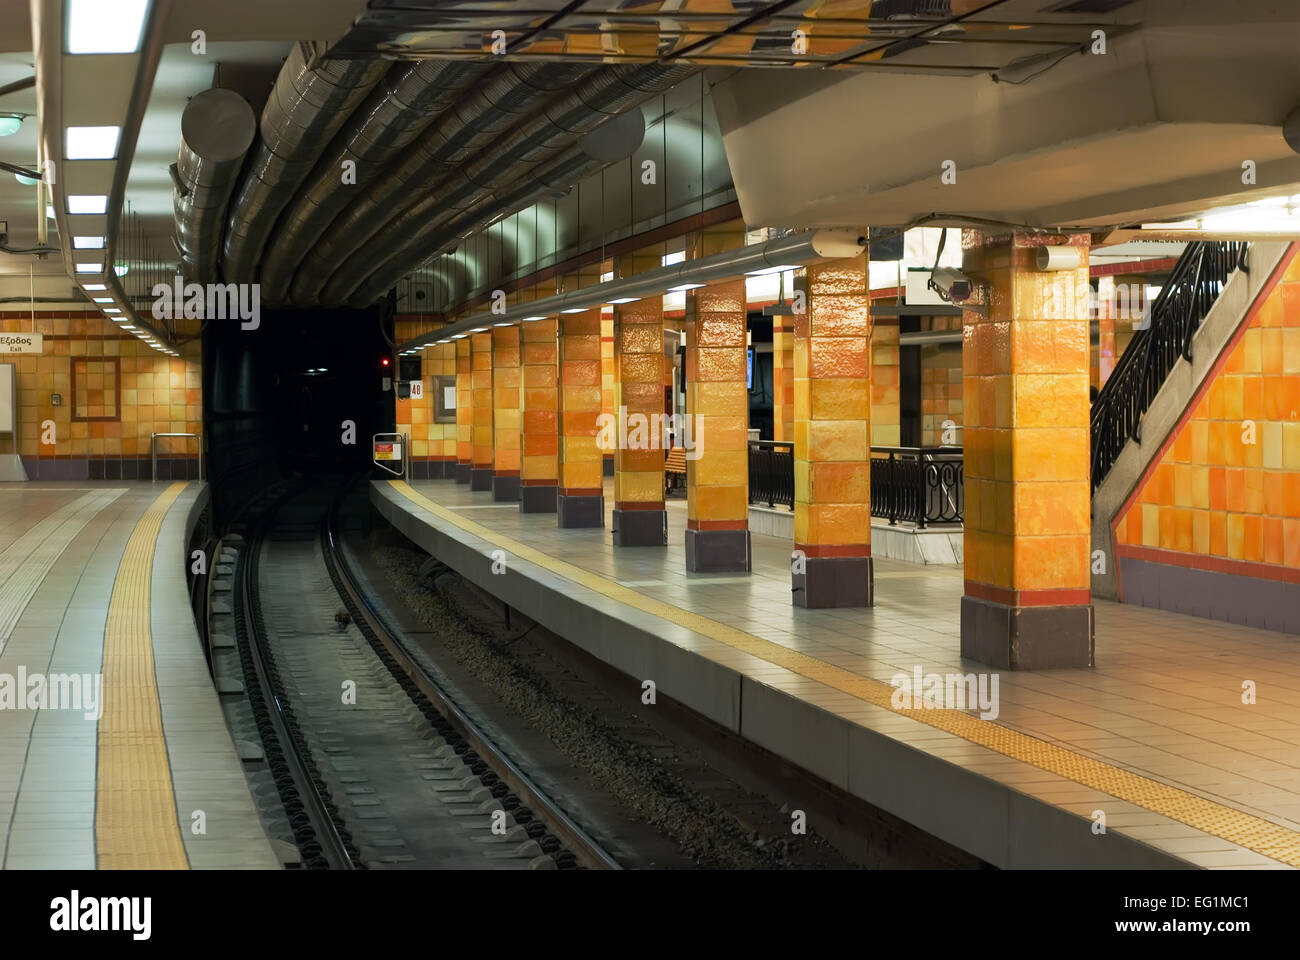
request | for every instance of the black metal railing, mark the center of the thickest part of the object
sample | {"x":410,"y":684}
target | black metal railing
{"x":919,"y":485}
{"x":1195,"y":284}
{"x":771,"y":472}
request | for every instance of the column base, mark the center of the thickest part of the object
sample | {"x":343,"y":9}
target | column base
{"x":538,"y":498}
{"x":505,"y":489}
{"x":717,"y":551}
{"x":640,"y":528}
{"x":833,"y":582}
{"x":480,"y":478}
{"x":460,"y":472}
{"x":607,"y":466}
{"x":437,"y":469}
{"x":1027,"y":638}
{"x":573,"y":512}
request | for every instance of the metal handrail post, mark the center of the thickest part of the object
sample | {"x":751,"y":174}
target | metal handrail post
{"x":922,"y":502}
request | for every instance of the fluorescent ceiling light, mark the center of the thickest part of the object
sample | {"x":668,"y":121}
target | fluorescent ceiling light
{"x":112,"y":309}
{"x":576,"y":310}
{"x":503,"y":324}
{"x":126,"y":326}
{"x":90,"y":268}
{"x":105,"y":26}
{"x":625,"y":300}
{"x":88,"y":243}
{"x":684,"y":286}
{"x":479,"y":330}
{"x":523,"y":320}
{"x":88,"y":203}
{"x":458,"y":336}
{"x":766,"y":270}
{"x":92,"y":143}
{"x":93,"y":286}
{"x":103,"y":299}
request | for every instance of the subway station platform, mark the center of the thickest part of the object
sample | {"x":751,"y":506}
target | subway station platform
{"x":1156,"y":738}
{"x":129,"y":765}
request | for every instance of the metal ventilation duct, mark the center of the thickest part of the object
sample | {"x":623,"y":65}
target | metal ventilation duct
{"x":307,"y":106}
{"x":217,"y":128}
{"x":492,"y":107}
{"x":614,"y":141}
{"x":795,"y":249}
{"x":411,"y":97}
{"x":610,"y":92}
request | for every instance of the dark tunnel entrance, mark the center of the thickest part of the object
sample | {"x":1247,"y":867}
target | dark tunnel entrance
{"x":276,"y":398}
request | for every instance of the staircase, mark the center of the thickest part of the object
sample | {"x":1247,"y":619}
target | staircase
{"x":1210,"y":292}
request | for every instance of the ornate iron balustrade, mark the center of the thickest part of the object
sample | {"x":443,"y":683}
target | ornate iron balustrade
{"x":920,"y":485}
{"x":1198,"y":278}
{"x":771,"y":472}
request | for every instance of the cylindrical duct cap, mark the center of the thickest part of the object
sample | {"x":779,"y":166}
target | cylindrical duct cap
{"x":1059,"y":258}
{"x":218,"y":125}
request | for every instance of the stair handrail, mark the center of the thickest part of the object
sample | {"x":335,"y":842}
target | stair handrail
{"x":1193,"y":287}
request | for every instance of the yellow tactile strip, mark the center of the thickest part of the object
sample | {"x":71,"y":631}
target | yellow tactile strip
{"x":135,"y":807}
{"x":1254,"y":833}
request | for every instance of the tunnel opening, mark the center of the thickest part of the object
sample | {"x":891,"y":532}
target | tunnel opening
{"x":300,"y":395}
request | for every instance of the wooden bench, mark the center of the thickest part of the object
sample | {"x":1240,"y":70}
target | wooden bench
{"x":675,"y":469}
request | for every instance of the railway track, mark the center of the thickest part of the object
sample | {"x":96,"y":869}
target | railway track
{"x":375,"y":766}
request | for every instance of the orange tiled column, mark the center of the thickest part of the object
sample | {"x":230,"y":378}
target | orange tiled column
{"x":540,"y":467}
{"x":717,"y":415}
{"x":1105,"y":330}
{"x":1027,"y":534}
{"x":464,"y":411}
{"x":639,"y":518}
{"x":832,"y":430}
{"x":581,"y":500}
{"x":480,"y":352}
{"x":506,"y":384}
{"x":783,"y":378}
{"x":608,"y":385}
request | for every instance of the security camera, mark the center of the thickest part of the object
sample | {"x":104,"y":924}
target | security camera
{"x":951,"y":284}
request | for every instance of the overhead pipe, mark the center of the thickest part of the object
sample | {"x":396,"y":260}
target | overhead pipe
{"x":410,"y":98}
{"x":616,"y":140}
{"x":490,"y":108}
{"x":792,"y":250}
{"x":611,"y":92}
{"x":307,"y":106}
{"x":217,"y":130}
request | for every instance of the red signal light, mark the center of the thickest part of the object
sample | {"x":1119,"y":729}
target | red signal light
{"x":384,"y":361}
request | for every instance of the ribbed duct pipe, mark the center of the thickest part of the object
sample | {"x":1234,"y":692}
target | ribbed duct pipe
{"x":609,"y":93}
{"x":307,"y":106}
{"x":613,"y":141}
{"x":217,"y":128}
{"x":492,"y":107}
{"x":410,"y":98}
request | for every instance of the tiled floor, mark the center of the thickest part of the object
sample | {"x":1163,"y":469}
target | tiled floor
{"x":61,"y":547}
{"x":1164,"y":702}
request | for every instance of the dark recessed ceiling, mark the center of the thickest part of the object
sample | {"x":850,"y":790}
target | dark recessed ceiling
{"x":939,"y":36}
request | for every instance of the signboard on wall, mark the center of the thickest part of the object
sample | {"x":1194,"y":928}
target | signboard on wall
{"x":417,"y":389}
{"x":21,"y":342}
{"x":8,"y":399}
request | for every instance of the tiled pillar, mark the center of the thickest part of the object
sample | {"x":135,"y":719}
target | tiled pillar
{"x":440,"y":361}
{"x":608,"y":385}
{"x":506,"y":381}
{"x":1105,"y":330}
{"x":464,"y":412}
{"x":783,"y":378}
{"x":639,"y":518}
{"x":1027,"y":603}
{"x":581,"y":501}
{"x":832,"y":428}
{"x":886,"y":403}
{"x":480,"y":477}
{"x":540,"y":466}
{"x":717,"y":410}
